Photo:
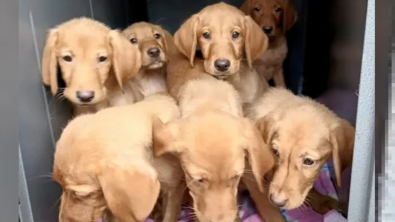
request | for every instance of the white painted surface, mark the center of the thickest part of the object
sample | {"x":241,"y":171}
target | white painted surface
{"x":361,"y":205}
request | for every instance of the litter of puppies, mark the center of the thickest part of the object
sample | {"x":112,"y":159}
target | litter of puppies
{"x":156,"y":127}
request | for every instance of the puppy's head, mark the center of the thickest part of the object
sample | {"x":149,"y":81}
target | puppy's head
{"x":273,"y":16}
{"x":152,"y":41}
{"x":92,"y":184}
{"x":303,"y":138}
{"x":225,"y":37}
{"x":212,"y":148}
{"x":88,"y":53}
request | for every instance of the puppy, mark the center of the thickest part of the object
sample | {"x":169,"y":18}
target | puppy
{"x":229,"y":42}
{"x":94,"y":61}
{"x":156,"y":46}
{"x":303,"y":135}
{"x":275,"y":17}
{"x":212,"y":142}
{"x":104,"y":160}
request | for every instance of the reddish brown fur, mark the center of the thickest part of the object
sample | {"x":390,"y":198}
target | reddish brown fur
{"x":269,"y":65}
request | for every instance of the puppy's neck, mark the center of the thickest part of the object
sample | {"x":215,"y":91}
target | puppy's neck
{"x":276,"y":41}
{"x":150,"y":81}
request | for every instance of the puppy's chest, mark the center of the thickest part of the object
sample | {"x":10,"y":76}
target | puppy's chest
{"x":152,"y":83}
{"x":274,"y":56}
{"x":271,"y":60}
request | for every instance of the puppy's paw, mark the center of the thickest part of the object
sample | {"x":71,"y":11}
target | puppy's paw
{"x":324,"y":204}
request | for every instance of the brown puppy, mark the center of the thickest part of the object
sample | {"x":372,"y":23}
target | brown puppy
{"x":94,"y":62}
{"x":229,"y":42}
{"x":275,"y":17}
{"x":104,"y":160}
{"x":156,"y":46}
{"x":303,"y":135}
{"x":213,"y":141}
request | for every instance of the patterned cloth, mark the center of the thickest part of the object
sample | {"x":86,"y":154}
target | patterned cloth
{"x":248,"y":213}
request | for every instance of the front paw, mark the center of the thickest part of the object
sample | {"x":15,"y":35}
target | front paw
{"x":325,"y":204}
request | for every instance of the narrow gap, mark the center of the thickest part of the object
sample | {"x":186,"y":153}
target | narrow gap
{"x":42,"y":86}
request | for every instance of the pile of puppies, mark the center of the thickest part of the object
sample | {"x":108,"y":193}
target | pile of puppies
{"x":162,"y":121}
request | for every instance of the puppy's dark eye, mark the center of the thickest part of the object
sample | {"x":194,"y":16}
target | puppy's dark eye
{"x":102,"y":58}
{"x":257,"y":9}
{"x":67,"y":58}
{"x":308,"y":162}
{"x":157,"y":36}
{"x":206,"y":35}
{"x":275,"y":152}
{"x":133,"y":40}
{"x":235,"y":35}
{"x":201,"y":180}
{"x":277,"y":9}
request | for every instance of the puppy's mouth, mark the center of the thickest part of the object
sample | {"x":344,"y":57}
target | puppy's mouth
{"x":221,"y":76}
{"x":85,"y":104}
{"x":156,"y":64}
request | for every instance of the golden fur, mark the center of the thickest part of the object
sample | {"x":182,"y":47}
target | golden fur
{"x":105,"y":160}
{"x":151,"y":78}
{"x":212,"y":142}
{"x":222,"y":32}
{"x":303,"y":135}
{"x":279,"y":15}
{"x":92,"y":58}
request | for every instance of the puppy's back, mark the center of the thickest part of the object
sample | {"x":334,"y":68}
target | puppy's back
{"x":209,"y":94}
{"x":119,"y":135}
{"x":280,"y":99}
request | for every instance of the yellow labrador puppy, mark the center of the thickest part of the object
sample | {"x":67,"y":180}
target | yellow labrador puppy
{"x":303,"y":135}
{"x":94,"y":62}
{"x":105,"y":161}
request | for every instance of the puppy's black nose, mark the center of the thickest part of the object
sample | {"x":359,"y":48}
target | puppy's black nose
{"x":267,"y":29}
{"x":153,"y":52}
{"x":279,"y":202}
{"x":222,"y":64}
{"x":85,"y":96}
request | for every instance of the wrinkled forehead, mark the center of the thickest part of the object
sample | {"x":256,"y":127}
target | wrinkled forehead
{"x":82,"y":43}
{"x":267,"y":3}
{"x":303,"y":139}
{"x":217,"y":18}
{"x":142,"y":31}
{"x":214,"y":161}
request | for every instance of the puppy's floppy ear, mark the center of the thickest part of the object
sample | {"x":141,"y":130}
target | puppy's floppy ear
{"x":260,"y":156}
{"x":246,"y":7}
{"x":49,"y":62}
{"x":289,"y":16}
{"x":256,"y":42}
{"x":342,"y":140}
{"x":265,"y":127}
{"x":185,"y":37}
{"x":169,"y":45}
{"x":165,"y":137}
{"x":130,"y":194}
{"x":126,"y":59}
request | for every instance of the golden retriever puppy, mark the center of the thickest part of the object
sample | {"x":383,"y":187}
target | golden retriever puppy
{"x":104,"y":160}
{"x":303,"y":135}
{"x":94,"y":62}
{"x":229,"y":42}
{"x":275,"y":17}
{"x":156,"y":46}
{"x":213,"y":142}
